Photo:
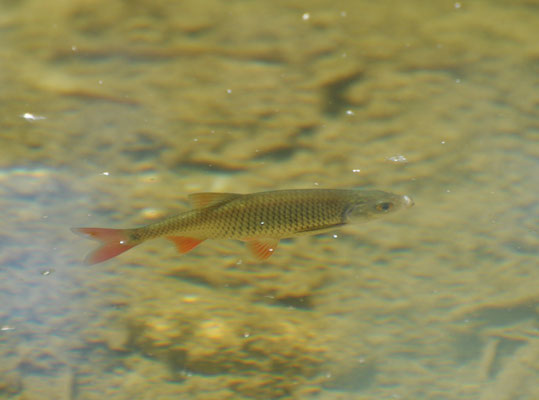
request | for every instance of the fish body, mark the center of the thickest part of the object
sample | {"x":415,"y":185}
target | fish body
{"x":259,"y":219}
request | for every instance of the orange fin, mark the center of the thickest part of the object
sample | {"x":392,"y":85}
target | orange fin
{"x":113,"y":242}
{"x":185,"y":244}
{"x":262,"y":248}
{"x":202,"y":200}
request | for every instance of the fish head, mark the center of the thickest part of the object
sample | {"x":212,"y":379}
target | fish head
{"x":367,"y":205}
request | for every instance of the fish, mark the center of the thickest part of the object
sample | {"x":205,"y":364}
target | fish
{"x":258,"y":219}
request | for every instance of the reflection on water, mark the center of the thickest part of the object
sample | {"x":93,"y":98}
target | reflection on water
{"x":113,"y":114}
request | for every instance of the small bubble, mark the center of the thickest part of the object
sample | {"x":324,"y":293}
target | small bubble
{"x":106,"y":173}
{"x":305,"y":16}
{"x":32,"y":117}
{"x":458,"y":5}
{"x":152,"y":213}
{"x":7,"y":328}
{"x":397,"y":158}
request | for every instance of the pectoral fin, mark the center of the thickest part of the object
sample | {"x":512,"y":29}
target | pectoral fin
{"x":321,"y":229}
{"x":262,"y":248}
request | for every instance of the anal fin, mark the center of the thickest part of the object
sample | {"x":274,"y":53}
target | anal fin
{"x":185,"y":244}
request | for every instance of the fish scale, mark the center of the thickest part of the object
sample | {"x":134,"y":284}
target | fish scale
{"x":260,"y":219}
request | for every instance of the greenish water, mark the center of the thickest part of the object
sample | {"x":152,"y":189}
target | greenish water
{"x":113,"y":112}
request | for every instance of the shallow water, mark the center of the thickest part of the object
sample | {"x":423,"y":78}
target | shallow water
{"x":113,"y":113}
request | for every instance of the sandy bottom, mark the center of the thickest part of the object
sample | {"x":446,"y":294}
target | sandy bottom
{"x":113,"y":114}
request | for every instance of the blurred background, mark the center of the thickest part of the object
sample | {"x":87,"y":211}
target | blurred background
{"x":112,"y":112}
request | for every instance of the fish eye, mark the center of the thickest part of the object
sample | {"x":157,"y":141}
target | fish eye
{"x":384,"y":207}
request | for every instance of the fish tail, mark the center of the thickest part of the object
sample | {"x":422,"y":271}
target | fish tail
{"x":113,"y":242}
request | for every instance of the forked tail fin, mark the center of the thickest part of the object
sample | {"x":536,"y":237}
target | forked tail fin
{"x":113,"y":242}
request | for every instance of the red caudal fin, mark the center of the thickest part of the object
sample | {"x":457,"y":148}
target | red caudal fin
{"x":113,"y":242}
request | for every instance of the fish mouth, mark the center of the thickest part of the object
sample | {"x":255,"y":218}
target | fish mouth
{"x":407,"y":201}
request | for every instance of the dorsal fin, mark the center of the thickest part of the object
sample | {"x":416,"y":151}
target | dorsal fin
{"x":202,"y":200}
